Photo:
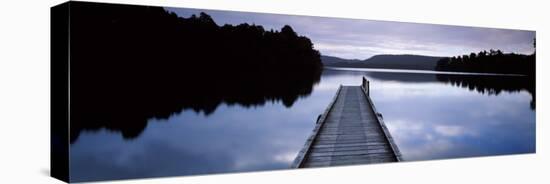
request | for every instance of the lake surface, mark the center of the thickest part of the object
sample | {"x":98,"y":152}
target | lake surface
{"x":430,"y":116}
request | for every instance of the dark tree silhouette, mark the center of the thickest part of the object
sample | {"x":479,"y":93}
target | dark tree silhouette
{"x":133,"y":63}
{"x":493,"y":61}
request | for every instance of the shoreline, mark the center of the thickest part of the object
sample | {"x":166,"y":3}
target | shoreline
{"x":419,"y":71}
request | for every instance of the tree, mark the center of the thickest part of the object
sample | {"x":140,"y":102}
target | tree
{"x":473,"y":56}
{"x":499,"y":53}
{"x":288,"y":31}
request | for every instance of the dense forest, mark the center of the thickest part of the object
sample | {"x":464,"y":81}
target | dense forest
{"x":133,"y":63}
{"x":493,"y":61}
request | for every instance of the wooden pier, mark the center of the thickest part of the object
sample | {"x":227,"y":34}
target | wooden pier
{"x":349,"y":132}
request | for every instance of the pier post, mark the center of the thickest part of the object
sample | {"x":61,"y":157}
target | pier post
{"x":365,"y":85}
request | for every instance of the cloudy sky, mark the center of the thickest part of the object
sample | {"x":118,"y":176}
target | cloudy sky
{"x":361,"y":39}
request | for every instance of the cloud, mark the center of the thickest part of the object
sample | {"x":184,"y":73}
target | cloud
{"x":449,"y":131}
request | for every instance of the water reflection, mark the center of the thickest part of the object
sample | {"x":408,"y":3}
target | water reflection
{"x":127,"y":109}
{"x":434,"y":116}
{"x":232,"y":139}
{"x":429,"y":118}
{"x":433,"y":126}
{"x":484,"y":84}
{"x":493,"y":85}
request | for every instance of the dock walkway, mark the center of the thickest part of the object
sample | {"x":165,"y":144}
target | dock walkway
{"x":350,"y":131}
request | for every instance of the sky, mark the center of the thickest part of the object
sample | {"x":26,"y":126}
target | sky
{"x":361,"y":39}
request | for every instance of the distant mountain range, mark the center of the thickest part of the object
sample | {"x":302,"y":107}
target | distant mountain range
{"x":406,"y":61}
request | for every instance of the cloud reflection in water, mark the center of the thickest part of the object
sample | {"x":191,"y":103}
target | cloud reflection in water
{"x":427,"y":118}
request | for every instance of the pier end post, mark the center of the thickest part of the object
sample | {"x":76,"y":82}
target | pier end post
{"x":365,"y":85}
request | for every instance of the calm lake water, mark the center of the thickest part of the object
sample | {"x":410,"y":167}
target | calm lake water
{"x":430,"y":116}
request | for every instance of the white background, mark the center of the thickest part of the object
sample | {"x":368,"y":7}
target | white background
{"x":25,"y":82}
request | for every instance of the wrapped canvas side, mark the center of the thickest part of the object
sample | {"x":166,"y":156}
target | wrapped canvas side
{"x":59,"y":146}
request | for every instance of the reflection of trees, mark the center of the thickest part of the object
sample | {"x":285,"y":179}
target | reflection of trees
{"x":403,"y":77}
{"x":492,"y":85}
{"x":484,"y":84}
{"x":133,"y":63}
{"x":384,"y":76}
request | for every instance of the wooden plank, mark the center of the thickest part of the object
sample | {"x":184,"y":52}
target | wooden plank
{"x":348,"y":157}
{"x":350,"y":152}
{"x":357,"y":161}
{"x":348,"y":144}
{"x":343,"y":131}
{"x":347,"y":136}
{"x":344,"y":141}
{"x":349,"y":148}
